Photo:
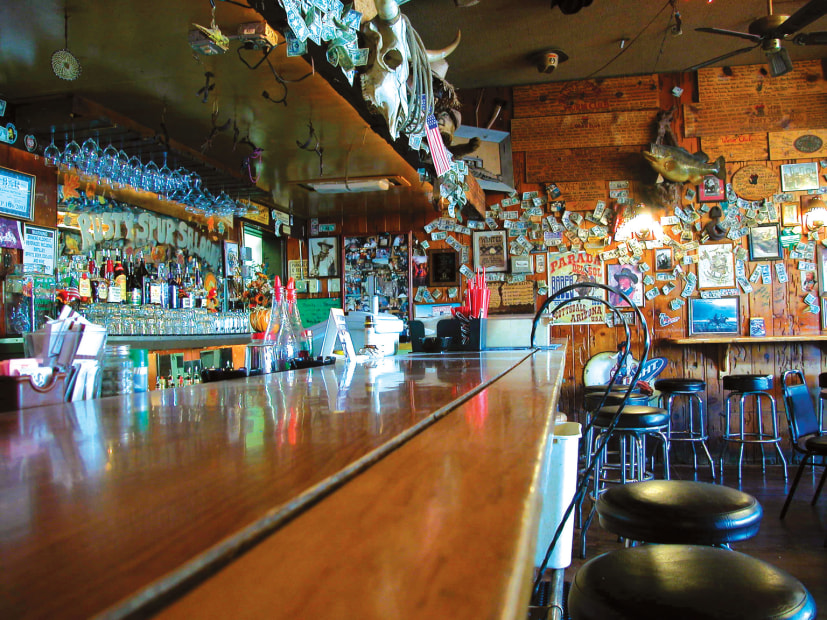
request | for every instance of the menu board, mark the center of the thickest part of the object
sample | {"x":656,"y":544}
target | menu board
{"x":16,"y":194}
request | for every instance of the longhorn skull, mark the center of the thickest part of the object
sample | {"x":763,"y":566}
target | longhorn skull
{"x":385,"y":83}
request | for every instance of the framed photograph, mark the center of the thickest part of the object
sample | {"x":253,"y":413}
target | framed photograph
{"x":765,"y":242}
{"x":822,"y":272}
{"x":628,"y":279}
{"x":663,"y":259}
{"x":40,"y":247}
{"x":16,"y":194}
{"x":798,"y":177}
{"x":824,"y":313}
{"x":232,"y":264}
{"x":790,"y":214}
{"x":716,"y":266}
{"x":521,"y":264}
{"x":489,"y":250}
{"x":714,"y":316}
{"x":711,"y":189}
{"x":443,"y":268}
{"x":324,"y":257}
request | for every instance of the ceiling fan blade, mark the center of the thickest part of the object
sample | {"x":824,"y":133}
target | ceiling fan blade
{"x":720,"y":58}
{"x":802,"y":18}
{"x":731,"y":33}
{"x":810,"y":38}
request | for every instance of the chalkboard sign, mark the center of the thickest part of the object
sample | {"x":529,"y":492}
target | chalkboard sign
{"x":314,"y":311}
{"x":16,"y":194}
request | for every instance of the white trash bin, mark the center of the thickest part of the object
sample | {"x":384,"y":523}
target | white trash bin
{"x":559,"y":481}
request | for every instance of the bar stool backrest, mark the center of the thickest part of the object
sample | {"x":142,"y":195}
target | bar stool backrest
{"x":801,"y":414}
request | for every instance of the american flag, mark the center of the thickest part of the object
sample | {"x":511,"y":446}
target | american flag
{"x":441,"y":157}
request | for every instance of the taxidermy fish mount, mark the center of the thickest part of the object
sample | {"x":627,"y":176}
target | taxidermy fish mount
{"x":677,"y":164}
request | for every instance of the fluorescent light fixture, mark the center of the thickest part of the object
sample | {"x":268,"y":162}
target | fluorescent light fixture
{"x":357,"y":184}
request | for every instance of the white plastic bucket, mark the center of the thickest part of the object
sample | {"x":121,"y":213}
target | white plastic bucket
{"x":558,"y":480}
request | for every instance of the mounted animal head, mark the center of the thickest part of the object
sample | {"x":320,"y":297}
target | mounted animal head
{"x":385,"y":83}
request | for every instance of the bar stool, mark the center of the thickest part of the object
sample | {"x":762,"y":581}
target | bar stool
{"x":685,"y":582}
{"x":695,"y":430}
{"x":757,"y":387}
{"x":636,"y":422}
{"x":679,"y":511}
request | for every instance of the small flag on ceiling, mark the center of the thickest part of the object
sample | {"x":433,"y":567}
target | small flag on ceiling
{"x":441,"y":157}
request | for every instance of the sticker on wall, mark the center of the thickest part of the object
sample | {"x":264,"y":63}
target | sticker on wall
{"x":665,"y":319}
{"x":8,"y":134}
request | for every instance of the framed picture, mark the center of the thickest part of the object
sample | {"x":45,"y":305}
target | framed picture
{"x":711,"y":189}
{"x":443,"y":268}
{"x":324,"y":257}
{"x":714,"y":316}
{"x":797,"y":177}
{"x":663,"y":259}
{"x":521,"y":264}
{"x":716,"y":266}
{"x":232,"y":264}
{"x":824,"y":313}
{"x":628,"y":279}
{"x":764,"y":242}
{"x":822,"y":271}
{"x":16,"y":194}
{"x":790,"y":214}
{"x":489,"y":250}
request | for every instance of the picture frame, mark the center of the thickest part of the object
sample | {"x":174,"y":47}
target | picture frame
{"x":799,"y":177}
{"x":714,"y":316}
{"x":824,"y":313}
{"x":443,"y":268}
{"x":522,"y":264}
{"x":17,"y":192}
{"x":790,"y":214}
{"x":716,"y":266}
{"x":490,"y":250}
{"x":232,"y":262}
{"x":664,"y":259}
{"x":711,"y":189}
{"x":765,"y":242}
{"x":616,"y":275}
{"x":323,"y":257}
{"x":822,"y":271}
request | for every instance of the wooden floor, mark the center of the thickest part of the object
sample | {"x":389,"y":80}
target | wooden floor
{"x":795,"y":544}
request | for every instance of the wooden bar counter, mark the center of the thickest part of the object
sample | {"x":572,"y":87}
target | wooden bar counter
{"x":404,"y":488}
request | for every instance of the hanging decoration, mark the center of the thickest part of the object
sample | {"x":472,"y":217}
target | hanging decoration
{"x":64,"y":64}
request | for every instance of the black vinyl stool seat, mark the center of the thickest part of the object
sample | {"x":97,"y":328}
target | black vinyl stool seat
{"x":757,"y":387}
{"x":616,"y":387}
{"x":695,"y":427}
{"x":685,"y":582}
{"x":634,"y":425}
{"x":593,"y":399}
{"x":679,"y":511}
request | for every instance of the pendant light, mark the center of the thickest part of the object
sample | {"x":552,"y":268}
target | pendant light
{"x":64,"y":63}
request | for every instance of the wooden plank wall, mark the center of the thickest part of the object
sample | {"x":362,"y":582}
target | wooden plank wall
{"x":738,"y":114}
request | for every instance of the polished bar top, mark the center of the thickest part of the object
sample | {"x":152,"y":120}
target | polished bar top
{"x":109,"y":504}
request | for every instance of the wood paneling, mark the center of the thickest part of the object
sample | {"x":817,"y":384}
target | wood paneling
{"x":582,"y":130}
{"x":586,"y":96}
{"x":586,"y":164}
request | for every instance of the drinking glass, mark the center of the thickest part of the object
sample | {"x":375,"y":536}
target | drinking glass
{"x":136,"y":172}
{"x":52,"y":154}
{"x":87,"y":161}
{"x":150,"y":181}
{"x":108,"y":165}
{"x":70,"y":154}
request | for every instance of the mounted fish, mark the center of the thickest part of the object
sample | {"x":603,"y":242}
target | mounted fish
{"x":677,"y":164}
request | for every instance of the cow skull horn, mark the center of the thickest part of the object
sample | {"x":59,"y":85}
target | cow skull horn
{"x":387,"y":10}
{"x":435,"y":55}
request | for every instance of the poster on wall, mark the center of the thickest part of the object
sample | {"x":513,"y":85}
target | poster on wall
{"x":569,"y":268}
{"x":626,"y":278}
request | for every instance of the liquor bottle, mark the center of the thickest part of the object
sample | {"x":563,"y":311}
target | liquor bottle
{"x":143,"y":280}
{"x":159,"y":383}
{"x":170,"y":380}
{"x":156,"y":287}
{"x":84,"y":287}
{"x":172,"y":289}
{"x":103,"y":279}
{"x":117,"y":282}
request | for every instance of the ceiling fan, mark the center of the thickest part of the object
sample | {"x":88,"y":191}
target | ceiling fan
{"x":769,"y":31}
